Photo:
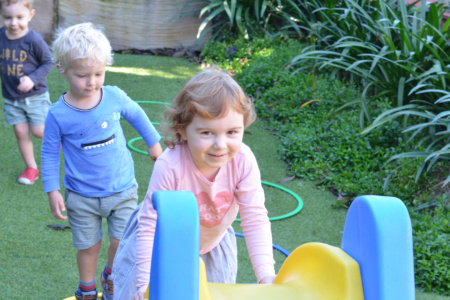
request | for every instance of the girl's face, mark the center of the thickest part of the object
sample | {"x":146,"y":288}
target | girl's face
{"x":86,"y":81}
{"x":213,"y":142}
{"x":16,"y":17}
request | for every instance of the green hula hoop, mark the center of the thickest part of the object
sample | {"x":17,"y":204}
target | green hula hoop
{"x":290,"y":214}
{"x":152,"y":102}
{"x":130,"y":145}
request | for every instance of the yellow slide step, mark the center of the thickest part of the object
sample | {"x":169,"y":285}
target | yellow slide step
{"x":314,"y":271}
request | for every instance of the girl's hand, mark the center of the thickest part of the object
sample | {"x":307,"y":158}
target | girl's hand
{"x":26,"y":84}
{"x":155,"y":151}
{"x":268,"y":279}
{"x":140,"y":294}
{"x":56,"y":202}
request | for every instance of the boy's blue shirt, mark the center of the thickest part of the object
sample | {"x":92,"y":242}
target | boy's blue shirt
{"x":97,"y":162}
{"x":28,"y":55}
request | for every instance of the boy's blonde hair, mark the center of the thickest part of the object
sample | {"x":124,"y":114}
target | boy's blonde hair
{"x":27,"y":3}
{"x":84,"y":42}
{"x":210,"y":94}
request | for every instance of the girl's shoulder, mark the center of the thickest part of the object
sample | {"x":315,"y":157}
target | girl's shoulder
{"x":245,"y":161}
{"x":245,"y":153}
{"x":173,"y":156}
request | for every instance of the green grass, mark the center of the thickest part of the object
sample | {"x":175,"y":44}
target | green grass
{"x":37,"y":262}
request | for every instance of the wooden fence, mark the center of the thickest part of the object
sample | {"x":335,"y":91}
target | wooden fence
{"x":128,"y":24}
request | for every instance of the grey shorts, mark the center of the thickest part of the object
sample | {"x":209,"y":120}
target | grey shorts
{"x":221,"y":262}
{"x":86,"y":214}
{"x":32,"y":110}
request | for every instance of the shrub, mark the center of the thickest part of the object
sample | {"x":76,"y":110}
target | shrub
{"x":243,"y":18}
{"x":392,"y":51}
{"x":431,"y":227}
{"x":320,"y":144}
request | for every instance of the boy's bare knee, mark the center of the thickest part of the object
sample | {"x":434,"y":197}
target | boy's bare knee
{"x":22,"y":131}
{"x":37,"y":131}
{"x":93,"y":250}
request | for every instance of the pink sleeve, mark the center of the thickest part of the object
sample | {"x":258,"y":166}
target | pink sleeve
{"x":161,"y":179}
{"x":254,"y":219}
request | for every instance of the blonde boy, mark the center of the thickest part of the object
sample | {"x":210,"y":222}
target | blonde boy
{"x":99,"y":172}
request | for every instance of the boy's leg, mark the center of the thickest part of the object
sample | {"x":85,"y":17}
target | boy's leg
{"x":113,"y":245}
{"x":31,"y":173}
{"x":105,"y":278}
{"x":23,"y":114}
{"x":16,"y":116}
{"x":87,"y":262}
{"x":35,"y":110}
{"x":22,"y":132}
{"x":37,"y":131}
{"x":86,"y":224}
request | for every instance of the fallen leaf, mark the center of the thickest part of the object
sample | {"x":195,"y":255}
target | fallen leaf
{"x":287,"y":179}
{"x":58,"y":226}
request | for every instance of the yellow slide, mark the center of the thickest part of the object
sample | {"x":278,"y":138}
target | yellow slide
{"x":314,"y":271}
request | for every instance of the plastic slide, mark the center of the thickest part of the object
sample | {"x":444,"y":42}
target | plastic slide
{"x":375,"y":262}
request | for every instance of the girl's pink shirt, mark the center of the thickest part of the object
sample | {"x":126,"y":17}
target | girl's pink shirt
{"x":237,"y":187}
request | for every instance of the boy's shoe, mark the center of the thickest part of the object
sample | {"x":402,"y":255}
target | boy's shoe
{"x":28,"y":176}
{"x":108,"y":287}
{"x":91,"y":295}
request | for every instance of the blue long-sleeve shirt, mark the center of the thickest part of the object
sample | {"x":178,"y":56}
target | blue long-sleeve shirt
{"x":29,"y":56}
{"x":97,"y":162}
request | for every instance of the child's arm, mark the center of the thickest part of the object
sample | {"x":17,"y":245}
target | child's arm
{"x":135,"y":115}
{"x":44,"y":58}
{"x":26,"y":84}
{"x":139,"y":295}
{"x":162,"y":179}
{"x":50,"y":158}
{"x":254,"y":220}
{"x":268,"y":279}
{"x":155,"y":151}
{"x":56,"y":202}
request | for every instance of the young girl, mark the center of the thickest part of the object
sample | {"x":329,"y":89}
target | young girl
{"x":206,"y":156}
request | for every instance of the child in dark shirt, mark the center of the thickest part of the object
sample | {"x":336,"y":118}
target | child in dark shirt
{"x":25,"y":61}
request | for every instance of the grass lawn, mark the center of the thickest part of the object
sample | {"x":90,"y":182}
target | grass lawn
{"x":37,"y":262}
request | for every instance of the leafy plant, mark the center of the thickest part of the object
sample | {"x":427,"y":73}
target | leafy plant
{"x":395,"y":59}
{"x":234,"y":56}
{"x":325,"y":22}
{"x":246,"y":18}
{"x":433,"y":130}
{"x":431,"y":227}
{"x":403,"y":56}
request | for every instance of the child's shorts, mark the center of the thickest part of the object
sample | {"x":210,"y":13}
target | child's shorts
{"x":221,"y":262}
{"x":85,"y":215}
{"x":32,"y":110}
